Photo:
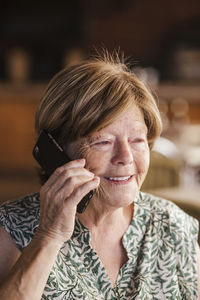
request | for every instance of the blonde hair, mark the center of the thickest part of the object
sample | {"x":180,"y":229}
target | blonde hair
{"x":89,"y":96}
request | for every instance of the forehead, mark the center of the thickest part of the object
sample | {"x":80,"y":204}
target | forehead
{"x":132,"y":119}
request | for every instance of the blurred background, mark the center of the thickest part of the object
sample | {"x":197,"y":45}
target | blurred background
{"x":162,"y":38}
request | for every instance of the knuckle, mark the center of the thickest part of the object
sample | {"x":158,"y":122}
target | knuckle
{"x":48,"y":194}
{"x":58,"y":170}
{"x":82,"y":190}
{"x":67,"y":173}
{"x":42,"y":189}
{"x":71,"y":181}
{"x":58,"y":197}
{"x":78,"y":193}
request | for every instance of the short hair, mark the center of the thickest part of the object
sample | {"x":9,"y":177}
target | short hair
{"x":89,"y":96}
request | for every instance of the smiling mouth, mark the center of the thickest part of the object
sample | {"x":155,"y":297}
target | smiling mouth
{"x":119,"y":179}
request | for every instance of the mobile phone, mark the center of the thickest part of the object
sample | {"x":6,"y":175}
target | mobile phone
{"x":50,"y":155}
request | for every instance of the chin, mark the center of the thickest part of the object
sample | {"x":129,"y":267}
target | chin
{"x":117,"y":197}
{"x":125,"y":199}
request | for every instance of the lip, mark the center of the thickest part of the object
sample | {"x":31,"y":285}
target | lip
{"x":117,"y":182}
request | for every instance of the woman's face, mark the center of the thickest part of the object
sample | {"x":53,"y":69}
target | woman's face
{"x":119,"y":155}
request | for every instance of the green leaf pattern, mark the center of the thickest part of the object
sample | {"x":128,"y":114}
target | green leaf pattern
{"x":160,"y":243}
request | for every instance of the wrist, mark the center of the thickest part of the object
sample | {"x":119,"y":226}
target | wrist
{"x":45,"y":239}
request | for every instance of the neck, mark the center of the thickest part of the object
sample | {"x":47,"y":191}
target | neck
{"x":98,"y":217}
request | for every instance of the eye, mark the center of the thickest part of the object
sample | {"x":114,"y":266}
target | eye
{"x":102,"y":143}
{"x":139,"y":140}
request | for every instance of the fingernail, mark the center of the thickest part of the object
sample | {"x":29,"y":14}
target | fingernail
{"x":81,"y":160}
{"x":91,"y":174}
{"x":96,"y":179}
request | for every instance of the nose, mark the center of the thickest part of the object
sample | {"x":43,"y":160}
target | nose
{"x":122,"y":154}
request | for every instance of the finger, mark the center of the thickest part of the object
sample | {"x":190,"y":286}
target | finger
{"x":57,"y":182}
{"x":69,"y":165}
{"x":83,"y":190}
{"x":74,"y":163}
{"x":67,"y":188}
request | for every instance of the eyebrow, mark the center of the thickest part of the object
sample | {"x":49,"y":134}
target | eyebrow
{"x":98,"y":135}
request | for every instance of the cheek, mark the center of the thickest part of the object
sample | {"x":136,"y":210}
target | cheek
{"x":96,"y":162}
{"x":142,"y":161}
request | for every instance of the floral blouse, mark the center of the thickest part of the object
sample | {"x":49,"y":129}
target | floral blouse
{"x":160,"y":243}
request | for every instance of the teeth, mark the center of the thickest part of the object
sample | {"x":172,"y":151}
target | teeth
{"x":118,"y":178}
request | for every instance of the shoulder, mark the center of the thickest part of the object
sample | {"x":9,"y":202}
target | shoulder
{"x":173,"y":236}
{"x":20,"y":218}
{"x":178,"y":222}
{"x":21,"y":208}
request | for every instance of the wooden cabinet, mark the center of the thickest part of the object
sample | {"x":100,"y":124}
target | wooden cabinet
{"x":17,"y":112}
{"x":189,"y":94}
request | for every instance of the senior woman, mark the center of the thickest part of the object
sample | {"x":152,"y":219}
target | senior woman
{"x":126,"y":244}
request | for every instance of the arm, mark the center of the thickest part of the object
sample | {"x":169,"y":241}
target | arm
{"x":198,"y":269}
{"x":35,"y":262}
{"x":58,"y":201}
{"x":9,"y":253}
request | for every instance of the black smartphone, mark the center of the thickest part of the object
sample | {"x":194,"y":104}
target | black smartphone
{"x":50,"y":155}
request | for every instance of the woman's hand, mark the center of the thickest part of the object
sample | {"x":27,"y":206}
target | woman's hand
{"x":59,"y":197}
